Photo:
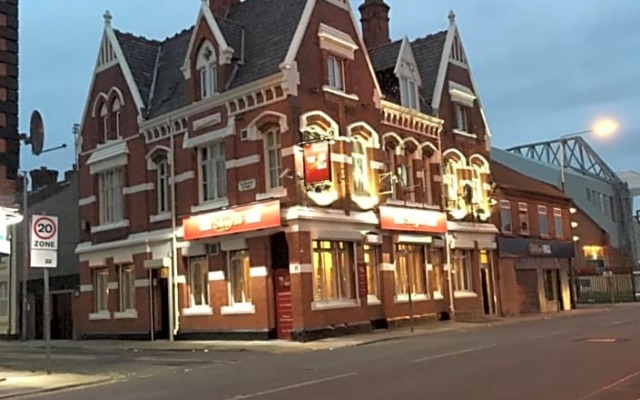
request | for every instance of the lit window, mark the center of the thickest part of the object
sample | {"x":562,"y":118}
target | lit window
{"x":162,"y":181}
{"x":391,"y":180}
{"x":100,"y":290}
{"x":505,"y":216}
{"x":462,"y":273}
{"x":115,"y":108}
{"x":274,"y":158}
{"x":410,"y":270}
{"x":213,"y":175}
{"x":460,"y":117}
{"x":239,"y":277}
{"x":335,"y":72}
{"x":104,"y":115}
{"x":558,"y":223}
{"x":409,"y":93}
{"x":208,"y":71}
{"x":199,"y":281}
{"x":373,"y":269}
{"x":359,"y":165}
{"x":436,"y":275}
{"x":111,"y":199}
{"x":4,"y":299}
{"x":333,"y":271}
{"x":127,"y":287}
{"x":543,"y":221}
{"x":523,"y":218}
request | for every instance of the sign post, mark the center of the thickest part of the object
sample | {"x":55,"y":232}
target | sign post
{"x":44,"y":254}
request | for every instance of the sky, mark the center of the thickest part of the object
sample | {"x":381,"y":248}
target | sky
{"x":542,"y":68}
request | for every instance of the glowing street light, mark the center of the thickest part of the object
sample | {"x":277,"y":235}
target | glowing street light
{"x":605,"y":128}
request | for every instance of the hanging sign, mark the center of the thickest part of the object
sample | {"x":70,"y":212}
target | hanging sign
{"x":317,"y":162}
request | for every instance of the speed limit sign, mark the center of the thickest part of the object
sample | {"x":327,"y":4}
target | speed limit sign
{"x":44,"y":241}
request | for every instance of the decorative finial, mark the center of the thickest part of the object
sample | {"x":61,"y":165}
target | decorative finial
{"x":107,"y":18}
{"x":452,"y":17}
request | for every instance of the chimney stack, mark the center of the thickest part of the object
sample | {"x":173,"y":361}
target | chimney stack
{"x":220,"y":8}
{"x":43,"y":177}
{"x":375,"y":23}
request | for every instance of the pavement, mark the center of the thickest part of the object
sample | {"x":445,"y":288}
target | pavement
{"x":487,"y":353}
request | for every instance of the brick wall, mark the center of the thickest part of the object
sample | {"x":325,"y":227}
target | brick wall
{"x":9,"y":139}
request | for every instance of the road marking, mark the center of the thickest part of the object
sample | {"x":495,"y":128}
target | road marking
{"x":624,"y":321}
{"x":610,"y":386}
{"x":291,"y":387}
{"x":454,"y":353}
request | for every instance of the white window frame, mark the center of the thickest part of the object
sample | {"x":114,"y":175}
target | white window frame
{"x":115,"y":108}
{"x":543,"y":216}
{"x":464,"y":267}
{"x":402,"y":293}
{"x":162,"y":185}
{"x":372,"y":264}
{"x":273,"y":170}
{"x":335,"y":73}
{"x":344,"y":282}
{"x":207,"y":66}
{"x":359,"y":165}
{"x":461,"y":118}
{"x":110,"y":184}
{"x":523,"y":210}
{"x":409,"y":95}
{"x":213,"y":172}
{"x":558,"y":223}
{"x":104,"y":115}
{"x":240,"y":257}
{"x":100,"y":277}
{"x":127,"y":287}
{"x":505,"y":206}
{"x":198,"y":269}
{"x":4,"y":300}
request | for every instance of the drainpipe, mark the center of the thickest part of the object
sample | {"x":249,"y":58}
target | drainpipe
{"x":173,"y":304}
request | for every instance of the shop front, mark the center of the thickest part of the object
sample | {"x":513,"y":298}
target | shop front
{"x":534,"y":275}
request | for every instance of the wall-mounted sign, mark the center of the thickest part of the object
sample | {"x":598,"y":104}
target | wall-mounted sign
{"x":317,"y":162}
{"x":412,"y":220}
{"x":246,"y":185}
{"x":44,"y":241}
{"x":234,"y":220}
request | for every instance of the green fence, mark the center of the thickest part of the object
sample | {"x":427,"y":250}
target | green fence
{"x":599,"y":289}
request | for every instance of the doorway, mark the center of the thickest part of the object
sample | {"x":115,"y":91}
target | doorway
{"x":486,"y":277}
{"x":282,"y":285}
{"x":62,"y":316}
{"x":162,"y":331}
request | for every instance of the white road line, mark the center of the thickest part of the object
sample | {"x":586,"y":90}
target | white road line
{"x":610,"y":386}
{"x":624,"y":321}
{"x":291,"y":387}
{"x":454,"y":353}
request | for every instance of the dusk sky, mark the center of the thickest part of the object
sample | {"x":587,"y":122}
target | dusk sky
{"x":543,"y":68}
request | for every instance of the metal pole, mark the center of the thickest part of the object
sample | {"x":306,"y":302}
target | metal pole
{"x":47,"y":318}
{"x":409,"y":291}
{"x":173,"y":312}
{"x":152,"y":325}
{"x":450,"y":274}
{"x":25,"y":256}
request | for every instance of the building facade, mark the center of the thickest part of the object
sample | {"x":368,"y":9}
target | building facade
{"x":535,"y":247}
{"x":258,"y":181}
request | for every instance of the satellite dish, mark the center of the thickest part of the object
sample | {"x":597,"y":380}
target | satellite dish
{"x":36,"y":133}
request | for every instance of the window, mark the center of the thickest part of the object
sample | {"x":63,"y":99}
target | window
{"x":333,"y":271}
{"x":460,"y":117}
{"x":213,"y":172}
{"x":115,"y":108}
{"x":523,"y":218}
{"x":111,"y":200}
{"x":461,"y":268}
{"x":104,"y":115}
{"x":274,"y":158}
{"x":550,"y":284}
{"x":4,"y":299}
{"x":127,"y":286}
{"x":359,"y":165}
{"x":557,"y":223}
{"x":391,"y":181}
{"x":409,"y":93}
{"x":199,"y":281}
{"x":335,"y":72}
{"x":436,"y":278}
{"x":100,"y":290}
{"x":208,"y":71}
{"x":410,"y":270}
{"x":543,"y":221}
{"x":505,"y":216}
{"x":373,"y":269}
{"x":239,"y":277}
{"x":162,"y":184}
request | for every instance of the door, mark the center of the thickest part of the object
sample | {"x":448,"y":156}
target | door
{"x":551,"y":290}
{"x":284,"y":303}
{"x":163,"y":296}
{"x":528,"y":288}
{"x":61,"y":316}
{"x":486,"y":291}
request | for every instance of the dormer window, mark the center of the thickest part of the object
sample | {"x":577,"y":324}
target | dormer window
{"x":207,"y":71}
{"x":409,"y":93}
{"x":335,"y":70}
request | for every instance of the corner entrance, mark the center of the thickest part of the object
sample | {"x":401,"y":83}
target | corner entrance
{"x":282,"y":285}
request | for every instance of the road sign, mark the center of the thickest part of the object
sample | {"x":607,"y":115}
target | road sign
{"x":44,"y":241}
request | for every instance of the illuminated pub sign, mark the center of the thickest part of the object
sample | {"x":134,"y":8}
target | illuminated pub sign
{"x":317,"y":162}
{"x":412,"y":220}
{"x":234,"y":220}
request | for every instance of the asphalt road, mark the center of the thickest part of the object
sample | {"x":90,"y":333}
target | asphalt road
{"x":587,"y":357}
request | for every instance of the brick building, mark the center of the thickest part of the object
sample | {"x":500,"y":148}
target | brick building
{"x":277,"y":179}
{"x":535,"y":246}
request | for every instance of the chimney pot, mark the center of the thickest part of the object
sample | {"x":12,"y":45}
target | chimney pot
{"x":375,"y":23}
{"x":220,"y":8}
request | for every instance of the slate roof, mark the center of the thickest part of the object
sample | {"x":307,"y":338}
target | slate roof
{"x":386,"y":56}
{"x":508,"y":178}
{"x":267,"y":24}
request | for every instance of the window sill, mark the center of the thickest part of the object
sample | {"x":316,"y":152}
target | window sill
{"x":165,"y":216}
{"x":404,"y":298}
{"x":341,"y":93}
{"x":464,"y":294}
{"x":211,"y":205}
{"x":110,"y":227}
{"x":238,"y":309}
{"x":412,"y":204}
{"x":100,"y":316}
{"x":438,"y":295}
{"x":373,"y":300}
{"x":275,"y":193}
{"x":197,"y":311}
{"x":128,"y":314}
{"x":465,"y":134}
{"x":334,"y":304}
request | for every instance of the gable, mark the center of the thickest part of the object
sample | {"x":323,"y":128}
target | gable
{"x":406,"y":66}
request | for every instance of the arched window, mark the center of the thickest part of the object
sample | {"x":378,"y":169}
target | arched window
{"x":207,"y":71}
{"x":162,"y":183}
{"x":104,"y":116}
{"x":115,"y":108}
{"x":273,"y":149}
{"x":359,"y":163}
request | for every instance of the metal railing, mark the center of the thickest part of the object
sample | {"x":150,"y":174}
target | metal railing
{"x":607,"y":288}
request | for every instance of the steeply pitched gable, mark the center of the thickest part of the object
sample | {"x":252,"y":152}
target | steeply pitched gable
{"x":428,"y":53}
{"x":141,"y":55}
